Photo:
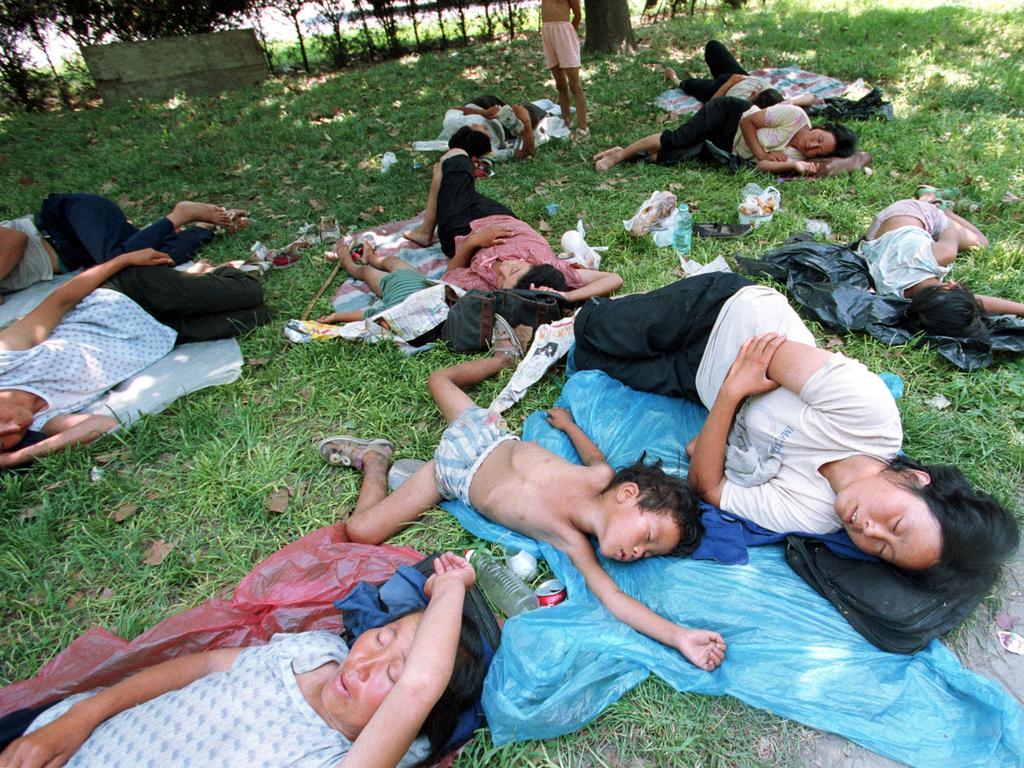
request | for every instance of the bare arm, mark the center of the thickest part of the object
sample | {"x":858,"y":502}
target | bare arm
{"x":55,"y":743}
{"x":12,"y":249}
{"x":490,"y":113}
{"x":728,"y":84}
{"x":749,"y":126}
{"x":64,"y":431}
{"x":496,"y":234}
{"x":397,"y":721}
{"x":802,"y":100}
{"x":37,"y":325}
{"x":577,"y":14}
{"x":528,"y":147}
{"x":561,"y":419}
{"x":996,"y":306}
{"x":968,"y":235}
{"x":595,"y":283}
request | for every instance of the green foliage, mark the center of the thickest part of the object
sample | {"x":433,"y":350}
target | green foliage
{"x":200,"y":472}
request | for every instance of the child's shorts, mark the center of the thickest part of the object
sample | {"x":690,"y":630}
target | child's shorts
{"x":396,"y":287}
{"x":463,"y":447}
{"x":561,"y":45}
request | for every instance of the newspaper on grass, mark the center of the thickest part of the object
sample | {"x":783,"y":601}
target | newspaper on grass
{"x":550,"y":344}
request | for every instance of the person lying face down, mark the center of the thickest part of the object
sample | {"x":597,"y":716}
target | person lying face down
{"x":909,"y":250}
{"x":80,"y":230}
{"x":798,"y":439}
{"x":639,"y":511}
{"x":102,"y":327}
{"x":393,"y":698}
{"x":779,"y":138}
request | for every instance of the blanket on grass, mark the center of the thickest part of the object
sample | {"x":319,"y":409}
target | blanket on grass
{"x":789,"y":81}
{"x":388,"y":240}
{"x":789,"y":650}
{"x":185,"y":369}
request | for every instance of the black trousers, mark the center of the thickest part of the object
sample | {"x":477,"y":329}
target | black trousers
{"x":722,"y":65}
{"x":459,"y":203}
{"x":88,"y":229}
{"x":716,"y":122}
{"x":654,"y":341}
{"x":222,"y":303}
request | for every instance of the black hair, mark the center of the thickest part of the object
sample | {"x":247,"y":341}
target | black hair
{"x":543,"y":274}
{"x":463,"y":690}
{"x":474,"y":143}
{"x":978,"y":533}
{"x":846,"y":139}
{"x":665,"y":494}
{"x":941,"y":310}
{"x":769,"y":97}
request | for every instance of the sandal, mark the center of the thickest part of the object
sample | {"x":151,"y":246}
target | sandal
{"x":330,"y":232}
{"x":722,"y":230}
{"x":946,"y":195}
{"x":348,"y":451}
{"x":504,"y":339}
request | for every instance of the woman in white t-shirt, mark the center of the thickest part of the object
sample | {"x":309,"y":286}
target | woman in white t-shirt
{"x":798,"y":439}
{"x":304,"y":699}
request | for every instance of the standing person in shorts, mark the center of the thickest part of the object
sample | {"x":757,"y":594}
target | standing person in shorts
{"x":562,"y":57}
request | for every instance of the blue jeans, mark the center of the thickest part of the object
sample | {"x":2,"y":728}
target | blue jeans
{"x":88,"y":229}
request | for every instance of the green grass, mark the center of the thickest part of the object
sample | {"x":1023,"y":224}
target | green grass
{"x":200,"y":472}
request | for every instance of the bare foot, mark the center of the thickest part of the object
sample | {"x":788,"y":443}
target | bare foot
{"x":609,"y":160}
{"x":418,"y":236}
{"x":670,"y":75}
{"x":238,"y":220}
{"x":187,"y":212}
{"x":702,"y":648}
{"x":370,"y":255}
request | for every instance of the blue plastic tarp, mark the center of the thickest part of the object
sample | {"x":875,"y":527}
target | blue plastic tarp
{"x":789,"y":650}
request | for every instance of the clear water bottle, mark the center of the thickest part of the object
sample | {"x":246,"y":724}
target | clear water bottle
{"x":683,"y":236}
{"x":502,"y":587}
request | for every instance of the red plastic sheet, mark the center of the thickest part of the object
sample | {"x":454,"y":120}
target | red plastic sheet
{"x":291,"y":591}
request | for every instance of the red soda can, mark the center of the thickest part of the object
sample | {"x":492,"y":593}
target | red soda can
{"x":550,"y":592}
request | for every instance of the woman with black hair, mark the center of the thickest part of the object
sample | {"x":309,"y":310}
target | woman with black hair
{"x":798,"y":439}
{"x":393,"y":698}
{"x":910,"y":248}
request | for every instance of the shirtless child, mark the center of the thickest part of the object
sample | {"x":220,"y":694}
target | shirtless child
{"x":562,"y":57}
{"x":640,"y":511}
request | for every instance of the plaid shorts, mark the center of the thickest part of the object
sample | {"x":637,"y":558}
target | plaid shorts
{"x":463,"y":447}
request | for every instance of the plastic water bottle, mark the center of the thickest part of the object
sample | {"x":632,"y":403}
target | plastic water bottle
{"x":683,"y":236}
{"x":502,"y":587}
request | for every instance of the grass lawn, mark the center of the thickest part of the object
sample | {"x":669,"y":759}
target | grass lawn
{"x":200,"y":473}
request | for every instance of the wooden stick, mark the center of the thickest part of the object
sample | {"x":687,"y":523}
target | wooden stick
{"x":324,"y":287}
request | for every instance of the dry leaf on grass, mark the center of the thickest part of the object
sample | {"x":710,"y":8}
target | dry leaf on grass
{"x":316,"y":204}
{"x":256,"y":362}
{"x":158,"y":552}
{"x":944,"y":137}
{"x":28,"y":514}
{"x":1009,"y":197}
{"x":106,"y":594}
{"x":53,"y":486}
{"x":833,"y":342}
{"x":123,"y":512}
{"x":544,"y":226}
{"x":277,"y":502}
{"x":919,"y":170}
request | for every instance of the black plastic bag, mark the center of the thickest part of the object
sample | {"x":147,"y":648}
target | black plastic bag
{"x":833,"y":284}
{"x":869,"y":107}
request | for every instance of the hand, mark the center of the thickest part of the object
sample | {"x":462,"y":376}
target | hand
{"x":560,"y":418}
{"x":491,"y":112}
{"x":50,"y":746}
{"x":147,"y":257}
{"x":450,"y":568}
{"x":809,"y":167}
{"x":748,"y":374}
{"x":330,"y":319}
{"x":548,"y":288}
{"x":702,"y":647}
{"x":496,"y":234}
{"x":775,"y":156}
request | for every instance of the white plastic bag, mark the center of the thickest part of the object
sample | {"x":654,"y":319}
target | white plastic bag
{"x":758,"y":205}
{"x":656,"y":208}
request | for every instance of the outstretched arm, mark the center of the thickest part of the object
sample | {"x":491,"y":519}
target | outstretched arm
{"x":595,"y":283}
{"x":37,"y":325}
{"x":993,"y":305}
{"x":428,"y":668}
{"x":63,"y":432}
{"x":561,"y":419}
{"x":703,"y":648}
{"x":56,"y":742}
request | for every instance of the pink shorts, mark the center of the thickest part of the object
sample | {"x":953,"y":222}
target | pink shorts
{"x":561,"y":45}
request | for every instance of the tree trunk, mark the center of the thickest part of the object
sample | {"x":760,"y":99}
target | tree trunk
{"x":512,"y":20}
{"x":302,"y":42}
{"x":608,"y":27}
